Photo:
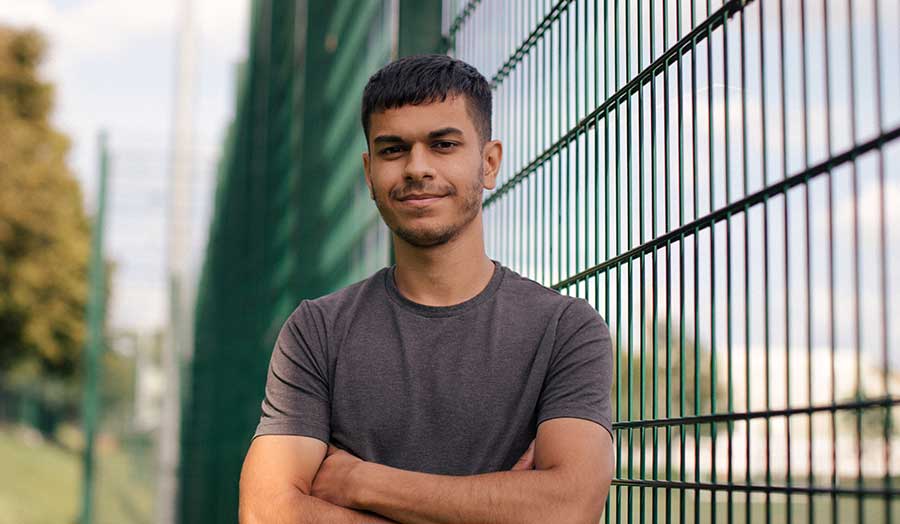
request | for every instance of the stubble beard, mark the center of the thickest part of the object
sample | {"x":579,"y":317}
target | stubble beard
{"x":430,"y":237}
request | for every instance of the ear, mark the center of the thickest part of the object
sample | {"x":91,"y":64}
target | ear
{"x":368,"y":175}
{"x":491,"y":155}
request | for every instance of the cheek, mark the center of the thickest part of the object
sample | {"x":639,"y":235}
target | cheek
{"x":378,"y":186}
{"x":464,"y":175}
{"x":384,"y":176}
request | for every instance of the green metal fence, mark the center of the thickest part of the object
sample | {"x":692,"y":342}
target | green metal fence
{"x":720,"y":179}
{"x":292,"y":216}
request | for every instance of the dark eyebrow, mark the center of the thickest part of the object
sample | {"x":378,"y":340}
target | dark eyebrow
{"x":394,"y":139}
{"x":391,"y":139}
{"x":444,"y":131}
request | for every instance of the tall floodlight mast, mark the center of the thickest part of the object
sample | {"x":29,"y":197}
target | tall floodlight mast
{"x":178,"y":334}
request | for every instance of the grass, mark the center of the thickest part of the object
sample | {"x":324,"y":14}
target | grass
{"x":41,"y":482}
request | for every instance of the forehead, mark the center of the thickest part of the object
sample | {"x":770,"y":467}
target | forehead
{"x":416,"y":121}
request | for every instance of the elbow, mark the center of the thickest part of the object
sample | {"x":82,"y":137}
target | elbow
{"x":262,"y":504}
{"x":248,"y":515}
{"x":572,"y":512}
{"x":587,"y":510}
{"x":572,"y":501}
{"x":589,"y":500}
{"x":600,"y":492}
{"x":266,"y":507}
{"x":262,"y":511}
{"x":249,"y":510}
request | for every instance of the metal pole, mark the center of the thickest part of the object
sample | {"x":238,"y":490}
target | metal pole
{"x":94,"y":347}
{"x":177,"y":345}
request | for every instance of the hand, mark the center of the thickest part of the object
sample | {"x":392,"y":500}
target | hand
{"x":333,"y":482}
{"x":527,"y":460}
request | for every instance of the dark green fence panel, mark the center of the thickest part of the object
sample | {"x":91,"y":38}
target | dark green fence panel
{"x":292,"y":215}
{"x":720,"y":179}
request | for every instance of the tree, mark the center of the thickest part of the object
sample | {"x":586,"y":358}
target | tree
{"x":44,"y":233}
{"x":696,"y":370}
{"x":875,"y":421}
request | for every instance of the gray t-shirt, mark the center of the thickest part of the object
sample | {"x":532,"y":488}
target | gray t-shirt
{"x":455,"y":390}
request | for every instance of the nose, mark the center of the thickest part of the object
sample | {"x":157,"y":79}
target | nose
{"x":418,"y":166}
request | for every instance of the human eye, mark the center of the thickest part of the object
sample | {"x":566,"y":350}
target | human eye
{"x":391,"y":150}
{"x":445,"y":145}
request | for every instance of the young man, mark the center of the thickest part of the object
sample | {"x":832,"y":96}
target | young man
{"x":446,"y":388}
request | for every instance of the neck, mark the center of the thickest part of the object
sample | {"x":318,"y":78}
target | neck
{"x":447,"y":274}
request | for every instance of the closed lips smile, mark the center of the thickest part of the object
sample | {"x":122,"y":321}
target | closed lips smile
{"x":421,"y":200}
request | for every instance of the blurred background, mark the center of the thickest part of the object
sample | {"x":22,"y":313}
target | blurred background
{"x":159,"y":80}
{"x":720,"y":179}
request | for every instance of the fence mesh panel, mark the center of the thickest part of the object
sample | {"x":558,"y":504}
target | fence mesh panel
{"x":720,"y":180}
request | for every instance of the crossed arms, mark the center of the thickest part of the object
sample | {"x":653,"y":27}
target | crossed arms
{"x":301,"y":480}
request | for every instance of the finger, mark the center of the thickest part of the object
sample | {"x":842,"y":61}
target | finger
{"x":527,"y":459}
{"x":524,"y":463}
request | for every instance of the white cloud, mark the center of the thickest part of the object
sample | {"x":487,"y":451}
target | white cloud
{"x":91,"y":29}
{"x":113,"y":63}
{"x":223,"y":26}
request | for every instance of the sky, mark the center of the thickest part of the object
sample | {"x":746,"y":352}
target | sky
{"x":775,"y":294}
{"x":112,"y":63}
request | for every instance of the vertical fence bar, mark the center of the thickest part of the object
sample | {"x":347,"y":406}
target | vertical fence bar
{"x":810,"y":478}
{"x":96,"y":313}
{"x":883,"y":265}
{"x":855,"y":234}
{"x":831,"y":278}
{"x":728,"y":289}
{"x":786,"y":248}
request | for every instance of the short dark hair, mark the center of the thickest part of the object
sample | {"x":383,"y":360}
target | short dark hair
{"x":423,"y":79}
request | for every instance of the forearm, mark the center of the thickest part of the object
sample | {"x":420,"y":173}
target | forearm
{"x":296,"y":508}
{"x":523,"y":496}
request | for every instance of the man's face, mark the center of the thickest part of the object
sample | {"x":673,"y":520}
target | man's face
{"x":426,"y":170}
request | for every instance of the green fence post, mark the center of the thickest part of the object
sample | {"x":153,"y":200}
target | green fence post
{"x":94,"y":347}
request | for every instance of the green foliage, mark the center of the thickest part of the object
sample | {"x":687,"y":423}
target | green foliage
{"x":874,"y":421}
{"x":117,"y":391}
{"x":44,"y":233}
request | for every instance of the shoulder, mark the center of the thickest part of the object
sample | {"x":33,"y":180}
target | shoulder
{"x":531,"y":292}
{"x":323,"y":312}
{"x":573,"y":320}
{"x":537,"y":297}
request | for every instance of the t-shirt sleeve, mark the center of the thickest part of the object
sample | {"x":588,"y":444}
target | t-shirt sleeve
{"x":297,"y":399}
{"x":579,"y":377}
